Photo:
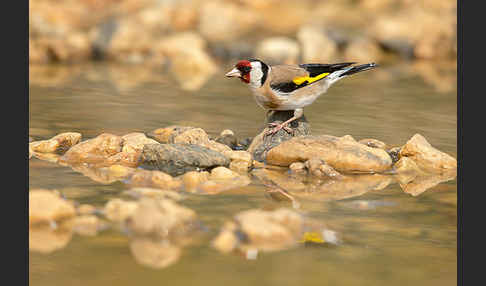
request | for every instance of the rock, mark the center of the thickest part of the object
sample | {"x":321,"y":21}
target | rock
{"x":85,"y":209}
{"x":152,"y":253}
{"x":47,"y":206}
{"x":44,"y":239}
{"x":117,"y":210}
{"x":238,"y":155}
{"x":87,"y":225}
{"x":180,"y":134}
{"x":260,"y":145}
{"x":131,"y":159}
{"x":240,"y":166}
{"x":405,"y":165}
{"x":313,"y":166}
{"x":193,"y":179}
{"x":192,"y":68}
{"x":319,"y":168}
{"x":421,"y":29}
{"x":162,"y":218}
{"x":175,"y":43}
{"x":373,"y":143}
{"x":245,"y":143}
{"x":229,"y":140}
{"x":363,"y":50}
{"x":187,"y":135}
{"x":241,"y":161}
{"x":58,"y":144}
{"x":340,"y":153}
{"x":297,"y":167}
{"x":221,"y":21}
{"x":154,"y":193}
{"x":427,"y":157}
{"x":133,"y":142}
{"x":153,"y":179}
{"x":330,"y":172}
{"x":394,"y":154}
{"x":93,"y":150}
{"x":227,"y":132}
{"x":222,"y":173}
{"x":296,"y":14}
{"x":261,"y":230}
{"x":177,"y":159}
{"x":316,"y":46}
{"x":278,"y":50}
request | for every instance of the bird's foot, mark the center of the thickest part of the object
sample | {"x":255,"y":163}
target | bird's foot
{"x":276,"y":127}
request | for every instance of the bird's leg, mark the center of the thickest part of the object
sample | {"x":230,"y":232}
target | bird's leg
{"x":276,"y":127}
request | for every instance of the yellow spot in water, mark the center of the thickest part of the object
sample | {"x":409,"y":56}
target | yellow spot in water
{"x":312,"y":237}
{"x":301,"y":80}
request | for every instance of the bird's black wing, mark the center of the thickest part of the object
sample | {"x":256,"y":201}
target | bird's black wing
{"x":317,"y":69}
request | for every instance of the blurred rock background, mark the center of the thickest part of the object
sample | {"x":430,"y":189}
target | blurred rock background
{"x":195,"y":37}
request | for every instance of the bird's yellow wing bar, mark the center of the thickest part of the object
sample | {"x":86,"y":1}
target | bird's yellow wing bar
{"x":301,"y":80}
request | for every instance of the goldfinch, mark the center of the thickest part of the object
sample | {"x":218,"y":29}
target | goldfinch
{"x":290,"y":87}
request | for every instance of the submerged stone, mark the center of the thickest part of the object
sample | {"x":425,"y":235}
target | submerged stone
{"x":263,"y":230}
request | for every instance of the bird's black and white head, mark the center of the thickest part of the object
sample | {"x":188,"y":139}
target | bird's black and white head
{"x":253,"y":72}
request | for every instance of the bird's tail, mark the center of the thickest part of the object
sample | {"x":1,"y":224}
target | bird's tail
{"x":337,"y":75}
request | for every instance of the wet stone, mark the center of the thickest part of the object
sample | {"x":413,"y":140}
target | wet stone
{"x":58,"y":144}
{"x":93,"y":150}
{"x":426,"y":156}
{"x":373,"y":143}
{"x":177,"y":159}
{"x":342,"y":153}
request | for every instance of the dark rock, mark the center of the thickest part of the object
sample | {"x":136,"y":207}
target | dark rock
{"x":244,"y":143}
{"x":261,"y":145}
{"x":394,"y":154}
{"x":228,"y":140}
{"x":177,"y":159}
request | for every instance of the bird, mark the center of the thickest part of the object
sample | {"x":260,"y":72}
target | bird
{"x":290,"y":87}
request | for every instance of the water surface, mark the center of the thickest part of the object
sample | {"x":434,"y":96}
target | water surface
{"x":389,"y":237}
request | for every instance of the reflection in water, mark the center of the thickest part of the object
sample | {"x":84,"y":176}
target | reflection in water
{"x":154,"y":253}
{"x":422,"y":183}
{"x":45,"y":239}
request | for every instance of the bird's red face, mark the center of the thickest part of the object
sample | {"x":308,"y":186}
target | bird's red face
{"x":242,"y":70}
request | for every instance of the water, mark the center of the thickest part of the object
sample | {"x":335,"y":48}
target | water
{"x":388,"y":237}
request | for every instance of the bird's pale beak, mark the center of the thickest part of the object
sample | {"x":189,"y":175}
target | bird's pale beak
{"x":234,"y":73}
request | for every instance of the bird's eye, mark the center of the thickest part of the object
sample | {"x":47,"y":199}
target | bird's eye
{"x":245,"y":69}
